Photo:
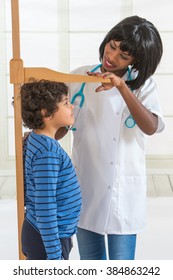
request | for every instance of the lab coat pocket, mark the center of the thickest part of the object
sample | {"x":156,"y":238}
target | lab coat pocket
{"x":132,"y":200}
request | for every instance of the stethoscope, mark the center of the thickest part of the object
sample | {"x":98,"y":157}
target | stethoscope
{"x":129,"y":122}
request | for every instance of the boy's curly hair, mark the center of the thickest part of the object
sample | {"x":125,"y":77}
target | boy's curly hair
{"x":36,"y":96}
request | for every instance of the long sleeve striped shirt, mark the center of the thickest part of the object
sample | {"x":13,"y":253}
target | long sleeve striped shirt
{"x":52,"y":192}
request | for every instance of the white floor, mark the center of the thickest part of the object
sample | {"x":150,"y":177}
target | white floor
{"x":155,"y":243}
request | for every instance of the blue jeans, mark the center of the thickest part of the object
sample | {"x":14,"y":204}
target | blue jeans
{"x":92,"y":246}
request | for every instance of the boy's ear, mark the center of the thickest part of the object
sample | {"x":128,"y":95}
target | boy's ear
{"x":44,"y":114}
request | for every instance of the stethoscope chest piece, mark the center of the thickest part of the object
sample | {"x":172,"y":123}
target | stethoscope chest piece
{"x":130,"y":122}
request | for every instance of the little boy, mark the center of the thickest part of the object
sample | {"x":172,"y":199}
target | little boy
{"x":52,"y":191}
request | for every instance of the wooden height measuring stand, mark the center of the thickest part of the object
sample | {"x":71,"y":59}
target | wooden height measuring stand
{"x":18,"y":76}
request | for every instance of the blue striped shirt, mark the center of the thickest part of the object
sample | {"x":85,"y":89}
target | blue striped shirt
{"x":52,"y":192}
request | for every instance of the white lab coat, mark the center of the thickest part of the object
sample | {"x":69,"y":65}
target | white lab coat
{"x":110,"y":158}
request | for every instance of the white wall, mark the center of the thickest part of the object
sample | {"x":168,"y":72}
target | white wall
{"x":64,"y":34}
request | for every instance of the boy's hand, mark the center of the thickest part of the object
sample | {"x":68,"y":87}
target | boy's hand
{"x":25,"y":136}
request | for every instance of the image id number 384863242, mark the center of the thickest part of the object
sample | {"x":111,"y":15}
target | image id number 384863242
{"x":133,"y":270}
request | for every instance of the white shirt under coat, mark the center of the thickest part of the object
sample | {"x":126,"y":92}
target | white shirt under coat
{"x":110,"y":158}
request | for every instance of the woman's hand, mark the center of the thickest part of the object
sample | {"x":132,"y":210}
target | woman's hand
{"x":115,"y":80}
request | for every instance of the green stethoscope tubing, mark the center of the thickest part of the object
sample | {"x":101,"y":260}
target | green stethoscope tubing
{"x":80,"y":92}
{"x":129,"y":122}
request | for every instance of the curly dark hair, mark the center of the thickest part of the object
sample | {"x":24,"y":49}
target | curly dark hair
{"x":36,"y":96}
{"x":140,"y":38}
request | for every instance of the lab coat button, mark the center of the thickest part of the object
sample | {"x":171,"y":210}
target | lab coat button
{"x":114,"y":139}
{"x":112,"y":163}
{"x":109,"y":187}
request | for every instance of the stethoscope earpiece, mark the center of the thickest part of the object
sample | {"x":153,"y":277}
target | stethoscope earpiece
{"x":71,"y":128}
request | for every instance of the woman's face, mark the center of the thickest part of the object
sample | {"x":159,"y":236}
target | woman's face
{"x":114,"y":59}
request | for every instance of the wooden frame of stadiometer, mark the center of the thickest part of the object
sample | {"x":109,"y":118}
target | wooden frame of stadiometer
{"x":19,"y":75}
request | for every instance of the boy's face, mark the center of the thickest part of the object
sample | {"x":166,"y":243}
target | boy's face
{"x":64,"y":116}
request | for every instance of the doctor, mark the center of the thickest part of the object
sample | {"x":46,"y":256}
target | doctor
{"x":110,"y":137}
